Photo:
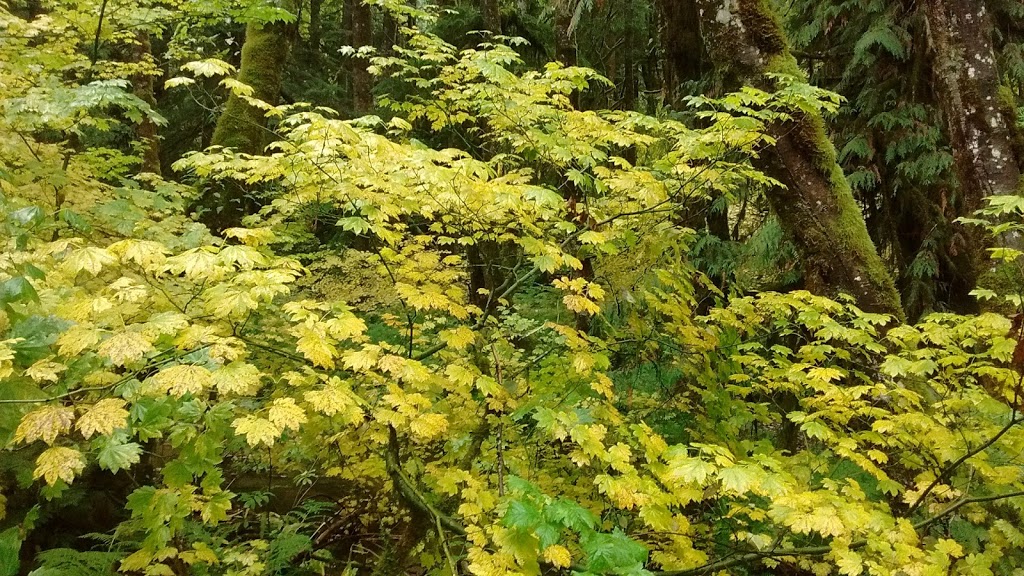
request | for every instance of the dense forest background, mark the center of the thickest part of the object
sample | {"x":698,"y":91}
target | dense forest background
{"x":596,"y":287}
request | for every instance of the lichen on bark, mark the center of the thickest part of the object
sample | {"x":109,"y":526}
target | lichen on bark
{"x":816,"y":206}
{"x":981,"y":129}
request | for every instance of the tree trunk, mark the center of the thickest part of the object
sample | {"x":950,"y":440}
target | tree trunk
{"x":142,"y":86}
{"x":682,"y":44}
{"x":361,"y":19}
{"x":264,"y":54}
{"x":565,"y":43}
{"x":981,"y":130}
{"x":242,"y":127}
{"x":315,"y":26}
{"x":491,"y":14}
{"x":629,"y":83}
{"x":816,"y":208}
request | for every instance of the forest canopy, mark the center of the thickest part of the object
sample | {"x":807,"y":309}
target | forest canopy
{"x":511,"y":287}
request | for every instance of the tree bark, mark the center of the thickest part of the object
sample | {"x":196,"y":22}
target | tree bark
{"x":629,"y":81}
{"x":978,"y":111}
{"x":682,"y":45}
{"x":491,"y":13}
{"x":361,"y":21}
{"x":816,"y":207}
{"x":566,"y":53}
{"x":142,"y":87}
{"x":565,"y":43}
{"x":242,"y":127}
{"x":315,"y":26}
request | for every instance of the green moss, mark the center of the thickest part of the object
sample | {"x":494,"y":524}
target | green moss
{"x":264,"y":55}
{"x":786,"y":64}
{"x":241,"y":126}
{"x":763,"y":28}
{"x":846,"y":228}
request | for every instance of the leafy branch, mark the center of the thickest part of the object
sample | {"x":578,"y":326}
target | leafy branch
{"x":129,"y":377}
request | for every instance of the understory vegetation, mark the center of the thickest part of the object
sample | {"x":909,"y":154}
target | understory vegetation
{"x":592,"y":287}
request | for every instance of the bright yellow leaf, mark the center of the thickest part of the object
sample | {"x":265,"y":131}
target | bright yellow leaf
{"x":103,"y":418}
{"x":125,"y":347}
{"x":286,"y":415}
{"x":90,"y":259}
{"x":237,"y":378}
{"x":558,"y":556}
{"x":45,"y":371}
{"x":59,"y":463}
{"x":257,"y":430}
{"x":44,"y":424}
{"x":77,"y":339}
{"x":182,"y":379}
{"x":314,"y":346}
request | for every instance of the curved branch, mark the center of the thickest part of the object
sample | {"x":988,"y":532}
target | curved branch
{"x":408,"y":490}
{"x":952,"y":467}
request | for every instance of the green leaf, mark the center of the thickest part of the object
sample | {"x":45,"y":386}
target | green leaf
{"x":571,"y":515}
{"x":17,"y":289}
{"x":10,"y":548}
{"x":26,"y":215}
{"x":115,"y":456}
{"x":612,"y":552}
{"x":522,"y":514}
{"x":68,"y":562}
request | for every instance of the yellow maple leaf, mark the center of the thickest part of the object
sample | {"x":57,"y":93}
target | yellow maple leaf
{"x":196,"y":264}
{"x":45,"y":371}
{"x":90,"y":259}
{"x":44,"y":424}
{"x":76,"y":339}
{"x":148,"y":254}
{"x":345,"y":327}
{"x":285,"y":414}
{"x":428,"y":426}
{"x":458,"y":338}
{"x":125,"y":347}
{"x":257,"y":430}
{"x":333,"y":399}
{"x":182,"y":379}
{"x":312,"y":343}
{"x":195,"y":335}
{"x":59,"y":463}
{"x":242,"y":257}
{"x":362,"y":360}
{"x":251,"y":236}
{"x":237,"y":378}
{"x":103,"y":418}
{"x":558,"y":556}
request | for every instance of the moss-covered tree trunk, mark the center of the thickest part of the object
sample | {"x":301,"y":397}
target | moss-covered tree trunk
{"x":816,"y":207}
{"x":243,"y":127}
{"x":978,"y":110}
{"x":264,"y":55}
